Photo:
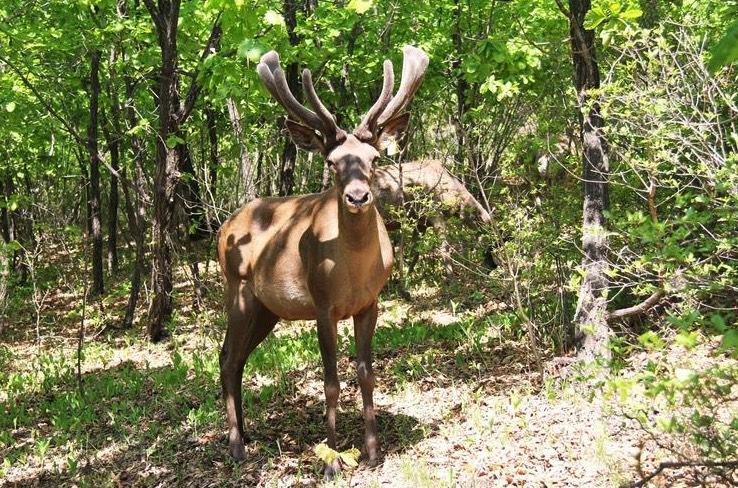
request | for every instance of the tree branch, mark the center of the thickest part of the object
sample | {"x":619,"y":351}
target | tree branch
{"x":47,"y":106}
{"x":679,"y":464}
{"x":155,"y":14}
{"x":196,"y":87}
{"x":639,"y":309}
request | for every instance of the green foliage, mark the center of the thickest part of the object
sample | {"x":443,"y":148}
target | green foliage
{"x":496,"y":107}
{"x":725,"y":51}
{"x":690,"y":412}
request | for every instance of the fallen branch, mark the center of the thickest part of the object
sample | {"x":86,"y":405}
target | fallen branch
{"x":639,"y":309}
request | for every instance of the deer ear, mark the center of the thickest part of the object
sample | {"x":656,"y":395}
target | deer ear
{"x":392,"y":131}
{"x":304,"y":137}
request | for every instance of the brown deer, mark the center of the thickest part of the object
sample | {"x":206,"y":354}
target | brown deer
{"x":324,"y":256}
{"x":394,"y":189}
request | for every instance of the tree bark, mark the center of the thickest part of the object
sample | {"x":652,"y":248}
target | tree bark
{"x":169,"y":147}
{"x":461,"y":87}
{"x":292,"y":73}
{"x":592,"y":331}
{"x":247,"y":172}
{"x":166,"y":176}
{"x":135,"y":207}
{"x":211,"y":117}
{"x":93,"y":194}
{"x":113,"y":141}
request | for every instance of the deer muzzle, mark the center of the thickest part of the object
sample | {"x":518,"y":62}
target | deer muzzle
{"x":357,"y":199}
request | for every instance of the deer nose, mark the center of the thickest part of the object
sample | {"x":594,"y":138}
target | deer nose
{"x":358,"y":200}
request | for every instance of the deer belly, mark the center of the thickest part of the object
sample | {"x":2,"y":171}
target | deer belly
{"x":286,"y":299}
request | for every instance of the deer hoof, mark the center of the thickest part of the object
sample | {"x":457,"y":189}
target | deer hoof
{"x":238,"y":451}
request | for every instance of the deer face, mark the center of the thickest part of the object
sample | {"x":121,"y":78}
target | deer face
{"x":351,"y":157}
{"x":353,"y":164}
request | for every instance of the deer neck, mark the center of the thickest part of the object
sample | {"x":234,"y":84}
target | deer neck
{"x":358,"y":231}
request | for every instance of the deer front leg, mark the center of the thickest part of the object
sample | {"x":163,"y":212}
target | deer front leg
{"x":364,"y":325}
{"x":327,"y":339}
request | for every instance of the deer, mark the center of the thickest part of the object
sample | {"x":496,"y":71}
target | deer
{"x":396,"y":187}
{"x":322,"y":257}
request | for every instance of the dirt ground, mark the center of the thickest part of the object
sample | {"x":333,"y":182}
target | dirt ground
{"x":466,"y":413}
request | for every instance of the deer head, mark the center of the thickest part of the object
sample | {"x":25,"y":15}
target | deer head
{"x":352,"y":156}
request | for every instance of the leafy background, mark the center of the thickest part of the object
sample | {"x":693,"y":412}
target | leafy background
{"x":472,"y":387}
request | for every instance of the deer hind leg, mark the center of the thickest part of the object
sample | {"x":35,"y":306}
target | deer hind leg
{"x":327,"y":339}
{"x":364,"y":325}
{"x":249,"y":322}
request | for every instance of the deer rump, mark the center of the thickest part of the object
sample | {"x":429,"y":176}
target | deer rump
{"x":423,"y":178}
{"x":399,"y":189}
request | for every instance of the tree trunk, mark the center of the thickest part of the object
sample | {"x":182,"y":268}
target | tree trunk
{"x":593,"y":332}
{"x":94,"y":186}
{"x":113,"y":141}
{"x":287,"y":173}
{"x":461,"y":87}
{"x":247,"y":173}
{"x":211,"y":117}
{"x":195,"y":218}
{"x":166,"y":176}
{"x":135,"y":207}
{"x":169,"y":146}
{"x":292,"y":73}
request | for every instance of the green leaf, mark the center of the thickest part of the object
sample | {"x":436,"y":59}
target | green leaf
{"x":250,"y":49}
{"x":14,"y":246}
{"x":360,"y":6}
{"x":718,"y":322}
{"x":594,"y":17}
{"x":350,"y":457}
{"x":687,"y":340}
{"x":730,"y":342}
{"x":10,"y":106}
{"x":631,"y":14}
{"x":726,"y":50}
{"x":173,"y":140}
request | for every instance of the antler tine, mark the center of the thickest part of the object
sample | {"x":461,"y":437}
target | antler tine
{"x":273,"y":77}
{"x":329,"y":121}
{"x":367,"y":127}
{"x":414,"y":64}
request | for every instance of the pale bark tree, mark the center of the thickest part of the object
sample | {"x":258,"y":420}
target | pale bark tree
{"x":592,"y":330}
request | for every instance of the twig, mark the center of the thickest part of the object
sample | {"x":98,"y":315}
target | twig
{"x":638,"y":309}
{"x":81,"y":340}
{"x":679,"y":464}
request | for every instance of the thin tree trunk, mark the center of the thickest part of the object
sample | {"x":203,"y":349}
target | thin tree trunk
{"x":113,"y":205}
{"x":287,"y":173}
{"x":292,"y":73}
{"x":213,"y":164}
{"x":194,"y":211}
{"x":94,"y":187}
{"x":461,"y":87}
{"x":135,"y":209}
{"x":593,"y":332}
{"x":113,"y":141}
{"x":247,"y":173}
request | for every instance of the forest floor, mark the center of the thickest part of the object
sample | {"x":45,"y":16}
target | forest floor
{"x":460,"y":403}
